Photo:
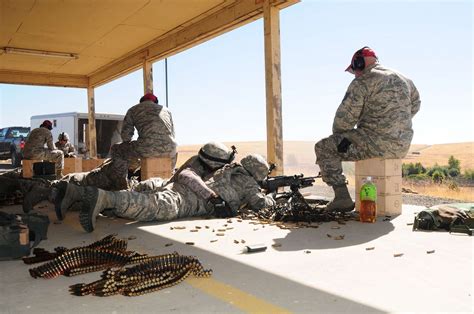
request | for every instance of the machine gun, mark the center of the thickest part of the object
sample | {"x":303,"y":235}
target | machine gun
{"x":295,"y":182}
{"x":291,"y":201}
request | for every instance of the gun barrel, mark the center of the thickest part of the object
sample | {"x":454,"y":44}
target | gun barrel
{"x":297,"y":181}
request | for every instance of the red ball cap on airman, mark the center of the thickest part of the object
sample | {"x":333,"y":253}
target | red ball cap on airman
{"x":149,"y":96}
{"x":363,"y":52}
{"x":47,"y":124}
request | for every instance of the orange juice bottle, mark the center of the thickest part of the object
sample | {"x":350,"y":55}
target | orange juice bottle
{"x":368,"y":201}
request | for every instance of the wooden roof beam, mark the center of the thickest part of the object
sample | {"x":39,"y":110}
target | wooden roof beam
{"x":226,"y":19}
{"x":43,"y":79}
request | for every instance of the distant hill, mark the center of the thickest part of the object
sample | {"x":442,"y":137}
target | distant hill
{"x":428,"y":155}
{"x":299,"y":156}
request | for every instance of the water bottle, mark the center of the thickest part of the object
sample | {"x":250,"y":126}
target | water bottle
{"x":368,"y":201}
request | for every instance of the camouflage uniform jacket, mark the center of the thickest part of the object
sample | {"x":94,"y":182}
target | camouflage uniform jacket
{"x":238,"y":188}
{"x":154,"y":125}
{"x":66,"y":148}
{"x":36,"y":140}
{"x":381,"y":103}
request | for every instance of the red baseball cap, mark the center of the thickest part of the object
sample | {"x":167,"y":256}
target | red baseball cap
{"x":363,"y":52}
{"x":47,"y":124}
{"x":149,"y":96}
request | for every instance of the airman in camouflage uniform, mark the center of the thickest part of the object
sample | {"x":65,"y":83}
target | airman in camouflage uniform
{"x":34,"y":147}
{"x":211,"y":156}
{"x":373,"y":120}
{"x":231,"y":188}
{"x":65,"y":146}
{"x":156,"y":136}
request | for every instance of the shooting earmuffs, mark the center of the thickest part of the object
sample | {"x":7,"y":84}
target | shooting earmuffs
{"x":358,"y":62}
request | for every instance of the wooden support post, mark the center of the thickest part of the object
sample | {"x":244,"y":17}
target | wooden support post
{"x":147,"y":77}
{"x":271,"y":22}
{"x":91,"y":115}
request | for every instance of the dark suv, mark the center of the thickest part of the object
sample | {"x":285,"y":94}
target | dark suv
{"x":12,"y":141}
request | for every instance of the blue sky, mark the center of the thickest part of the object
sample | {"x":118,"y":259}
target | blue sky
{"x":217,"y":89}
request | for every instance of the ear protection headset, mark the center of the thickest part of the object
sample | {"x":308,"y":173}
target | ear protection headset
{"x":358,"y":62}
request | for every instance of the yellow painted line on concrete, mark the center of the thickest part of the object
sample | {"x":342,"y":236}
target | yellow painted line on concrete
{"x":238,"y":298}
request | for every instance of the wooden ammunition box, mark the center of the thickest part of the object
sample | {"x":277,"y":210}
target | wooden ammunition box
{"x":378,"y":167}
{"x":72,"y":165}
{"x":156,"y":167}
{"x":89,"y":164}
{"x":27,"y":167}
{"x":387,"y":176}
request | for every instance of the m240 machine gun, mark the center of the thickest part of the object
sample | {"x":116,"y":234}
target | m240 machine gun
{"x":295,"y":182}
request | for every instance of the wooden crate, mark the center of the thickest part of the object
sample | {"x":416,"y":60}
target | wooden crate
{"x":89,"y":164}
{"x":387,"y":204}
{"x":387,"y":176}
{"x":72,"y":165}
{"x":27,"y":167}
{"x":156,"y":167}
{"x":378,"y":167}
{"x":388,"y":185}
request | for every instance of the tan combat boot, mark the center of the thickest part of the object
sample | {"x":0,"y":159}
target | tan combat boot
{"x":342,"y":201}
{"x":94,"y":202}
{"x":67,"y":195}
{"x":36,"y":194}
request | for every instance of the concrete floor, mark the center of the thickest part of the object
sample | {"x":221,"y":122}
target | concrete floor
{"x":310,"y":272}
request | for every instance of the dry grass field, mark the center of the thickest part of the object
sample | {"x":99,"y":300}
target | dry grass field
{"x":428,"y":155}
{"x":299,"y":155}
{"x":299,"y":158}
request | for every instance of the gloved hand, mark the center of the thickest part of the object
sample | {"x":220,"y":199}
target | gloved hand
{"x":221,"y":208}
{"x":343,"y":146}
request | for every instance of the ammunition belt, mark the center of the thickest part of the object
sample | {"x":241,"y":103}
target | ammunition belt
{"x":157,"y":273}
{"x":151,"y":273}
{"x":109,"y":242}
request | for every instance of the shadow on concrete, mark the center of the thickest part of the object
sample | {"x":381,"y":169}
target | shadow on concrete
{"x":325,"y":237}
{"x":21,"y":293}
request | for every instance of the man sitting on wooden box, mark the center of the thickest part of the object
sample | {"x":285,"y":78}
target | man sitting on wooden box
{"x":373,"y":120}
{"x":35,"y":147}
{"x":156,"y":137}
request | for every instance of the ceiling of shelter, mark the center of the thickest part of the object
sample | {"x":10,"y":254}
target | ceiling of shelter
{"x":98,"y":31}
{"x":108,"y":38}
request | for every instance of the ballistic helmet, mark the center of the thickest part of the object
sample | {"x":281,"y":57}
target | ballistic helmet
{"x":63,"y":137}
{"x":216,"y":154}
{"x":256,"y":165}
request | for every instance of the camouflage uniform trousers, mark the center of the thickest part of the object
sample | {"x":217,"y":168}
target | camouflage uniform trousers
{"x":172,"y":202}
{"x":55,"y":156}
{"x":127,"y":152}
{"x":152,"y":184}
{"x":330,"y":160}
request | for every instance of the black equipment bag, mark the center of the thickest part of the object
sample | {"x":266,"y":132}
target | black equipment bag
{"x":16,"y":234}
{"x":38,"y":225}
{"x":44,"y":168}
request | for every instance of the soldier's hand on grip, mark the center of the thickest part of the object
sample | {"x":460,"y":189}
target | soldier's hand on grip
{"x":221,"y":208}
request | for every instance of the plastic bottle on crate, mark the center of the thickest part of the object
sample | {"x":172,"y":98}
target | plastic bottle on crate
{"x":368,"y":201}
